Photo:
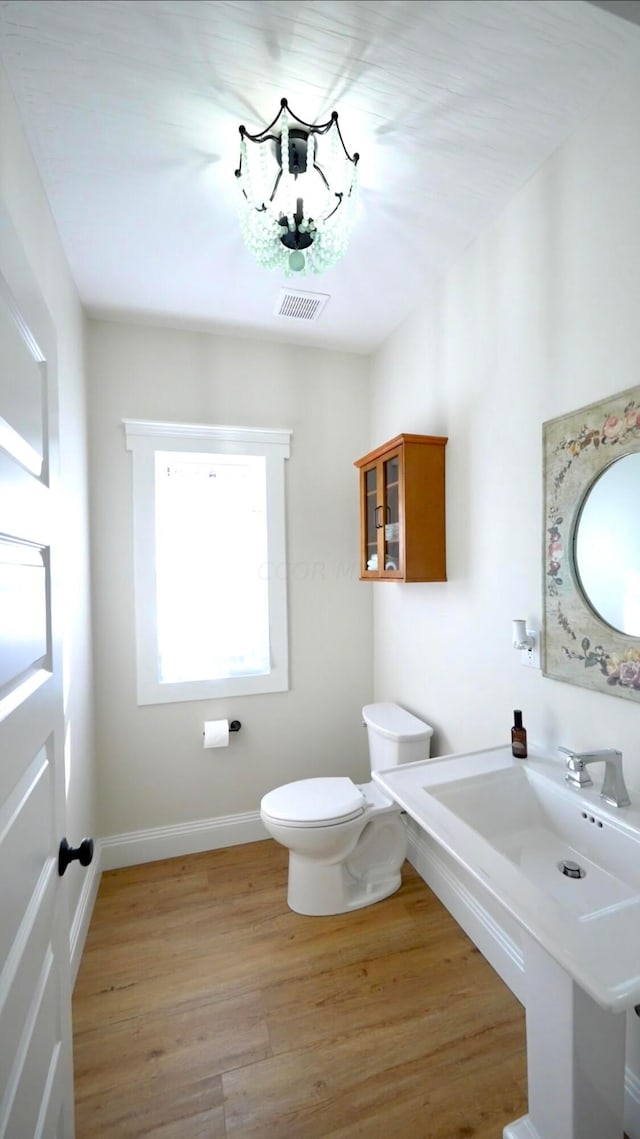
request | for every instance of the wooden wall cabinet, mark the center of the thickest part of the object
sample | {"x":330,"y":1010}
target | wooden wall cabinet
{"x":402,"y":510}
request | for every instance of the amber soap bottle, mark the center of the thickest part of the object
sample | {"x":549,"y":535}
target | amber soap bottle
{"x":518,"y":736}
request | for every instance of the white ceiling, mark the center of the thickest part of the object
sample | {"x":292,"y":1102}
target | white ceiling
{"x":132,"y":110}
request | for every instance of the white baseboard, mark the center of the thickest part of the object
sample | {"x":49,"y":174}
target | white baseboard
{"x":130,"y":849}
{"x":84,"y":909}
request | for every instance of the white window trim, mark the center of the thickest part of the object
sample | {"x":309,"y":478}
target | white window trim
{"x":144,"y":438}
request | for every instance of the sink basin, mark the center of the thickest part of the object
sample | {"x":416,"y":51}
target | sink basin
{"x":513,"y":824}
{"x":541,"y":827}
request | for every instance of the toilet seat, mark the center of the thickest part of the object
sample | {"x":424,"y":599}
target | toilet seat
{"x":315,"y":802}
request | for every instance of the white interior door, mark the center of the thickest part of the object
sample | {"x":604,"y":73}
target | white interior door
{"x":35,"y":999}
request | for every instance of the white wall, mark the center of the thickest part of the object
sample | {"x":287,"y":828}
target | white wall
{"x":540,"y":316}
{"x":25,"y":201}
{"x":153,"y":769}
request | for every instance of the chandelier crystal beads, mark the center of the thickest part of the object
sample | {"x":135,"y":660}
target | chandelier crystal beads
{"x":298,"y":188}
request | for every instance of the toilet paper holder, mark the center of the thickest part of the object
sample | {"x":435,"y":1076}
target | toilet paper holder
{"x":217,"y":733}
{"x":234,"y":726}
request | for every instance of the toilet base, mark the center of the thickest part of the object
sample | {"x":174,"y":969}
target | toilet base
{"x":319,"y":890}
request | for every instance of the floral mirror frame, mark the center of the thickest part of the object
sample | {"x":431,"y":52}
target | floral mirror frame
{"x":578,"y":646}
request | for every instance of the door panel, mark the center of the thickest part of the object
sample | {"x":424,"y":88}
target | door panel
{"x":22,"y":402}
{"x":35,"y":1024}
{"x":26,"y":501}
{"x":26,"y":838}
{"x":22,"y":968}
{"x":38,"y":1056}
{"x":23,"y":610}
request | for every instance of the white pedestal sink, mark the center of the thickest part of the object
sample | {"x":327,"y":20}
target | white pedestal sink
{"x":513,"y":824}
{"x":575,"y":1058}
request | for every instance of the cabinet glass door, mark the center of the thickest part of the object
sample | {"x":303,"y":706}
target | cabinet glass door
{"x":371,"y":516}
{"x":391,"y":513}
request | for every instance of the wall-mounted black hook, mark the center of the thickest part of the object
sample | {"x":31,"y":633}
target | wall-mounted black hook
{"x":235,"y":726}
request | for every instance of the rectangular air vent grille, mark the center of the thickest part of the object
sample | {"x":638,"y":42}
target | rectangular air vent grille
{"x":296,"y":305}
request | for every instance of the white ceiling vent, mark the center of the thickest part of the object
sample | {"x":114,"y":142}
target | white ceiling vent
{"x":296,"y":305}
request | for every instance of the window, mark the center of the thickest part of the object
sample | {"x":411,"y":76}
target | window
{"x":209,"y":558}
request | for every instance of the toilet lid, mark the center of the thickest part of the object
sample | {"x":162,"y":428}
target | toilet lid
{"x":307,"y":802}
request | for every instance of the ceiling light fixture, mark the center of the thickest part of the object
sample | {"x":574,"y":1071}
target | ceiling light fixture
{"x":298,"y":188}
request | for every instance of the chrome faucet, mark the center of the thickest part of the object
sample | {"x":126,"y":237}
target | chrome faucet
{"x":613,"y":785}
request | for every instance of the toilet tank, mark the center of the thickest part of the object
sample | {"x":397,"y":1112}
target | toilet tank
{"x":395,"y":736}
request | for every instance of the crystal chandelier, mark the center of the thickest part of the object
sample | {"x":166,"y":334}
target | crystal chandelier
{"x":298,"y":186}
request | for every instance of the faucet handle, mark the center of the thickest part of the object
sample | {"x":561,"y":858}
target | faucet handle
{"x":577,"y":774}
{"x":575,"y":759}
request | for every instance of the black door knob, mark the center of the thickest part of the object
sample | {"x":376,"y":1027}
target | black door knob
{"x":67,"y":854}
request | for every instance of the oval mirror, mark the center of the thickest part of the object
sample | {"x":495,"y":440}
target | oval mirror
{"x":607,"y":545}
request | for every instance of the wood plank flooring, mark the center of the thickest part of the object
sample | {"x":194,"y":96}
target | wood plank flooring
{"x":206,"y":1009}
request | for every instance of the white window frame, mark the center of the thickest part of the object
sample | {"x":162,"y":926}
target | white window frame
{"x":144,"y":438}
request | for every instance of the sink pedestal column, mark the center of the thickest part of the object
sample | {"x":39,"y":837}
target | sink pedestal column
{"x":575,"y":1058}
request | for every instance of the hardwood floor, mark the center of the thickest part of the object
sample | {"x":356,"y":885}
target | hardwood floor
{"x":206,"y":1009}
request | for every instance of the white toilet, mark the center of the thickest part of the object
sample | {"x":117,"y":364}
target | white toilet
{"x":347,"y":842}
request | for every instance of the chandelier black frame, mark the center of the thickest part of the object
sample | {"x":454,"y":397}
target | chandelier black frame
{"x":295,"y":231}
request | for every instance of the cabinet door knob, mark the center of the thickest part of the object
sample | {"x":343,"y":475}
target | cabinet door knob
{"x":377,"y":517}
{"x":67,"y":854}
